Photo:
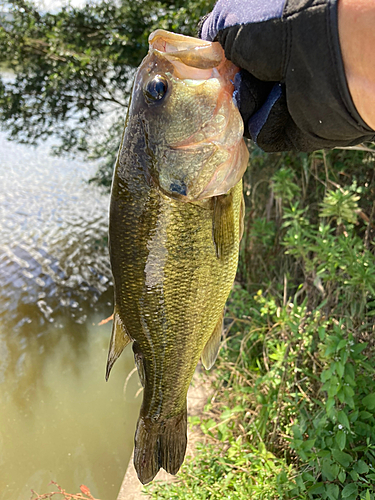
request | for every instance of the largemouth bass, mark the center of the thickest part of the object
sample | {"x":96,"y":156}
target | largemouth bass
{"x":175,"y":226}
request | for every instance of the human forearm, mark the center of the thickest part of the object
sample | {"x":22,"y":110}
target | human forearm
{"x":357,"y":38}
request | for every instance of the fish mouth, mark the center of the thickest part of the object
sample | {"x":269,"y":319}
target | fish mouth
{"x":219,"y":139}
{"x":196,"y":61}
{"x":192,"y":52}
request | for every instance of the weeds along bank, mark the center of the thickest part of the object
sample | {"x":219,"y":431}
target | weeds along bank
{"x":293,"y":416}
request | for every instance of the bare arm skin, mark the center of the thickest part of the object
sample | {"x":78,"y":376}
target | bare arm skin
{"x":357,"y":39}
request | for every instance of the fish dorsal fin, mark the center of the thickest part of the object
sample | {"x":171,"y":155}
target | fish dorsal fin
{"x":223,"y":224}
{"x":119,"y":340}
{"x":212,"y":347}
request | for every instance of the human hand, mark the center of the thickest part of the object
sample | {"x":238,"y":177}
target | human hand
{"x":292,"y":90}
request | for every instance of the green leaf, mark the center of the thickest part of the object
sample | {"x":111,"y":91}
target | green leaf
{"x":344,"y":355}
{"x":330,"y":403}
{"x":351,"y":372}
{"x":365,"y":415}
{"x":333,"y":491}
{"x":350,"y":401}
{"x":349,"y":489}
{"x":330,"y":350}
{"x":326,"y":375}
{"x":349,"y":379}
{"x":358,"y":348}
{"x":297,"y":434}
{"x":348,"y":391}
{"x":300,"y":483}
{"x":308,"y":444}
{"x":354,"y":475}
{"x":341,"y":395}
{"x":330,"y":470}
{"x":361,"y":467}
{"x":340,"y":368}
{"x":369,"y":401}
{"x":307,"y":477}
{"x":340,"y":439}
{"x":322,"y":333}
{"x":353,"y":416}
{"x":334,"y":386}
{"x":342,"y":477}
{"x":342,"y":458}
{"x":341,"y":344}
{"x":323,"y":453}
{"x":343,"y":419}
{"x":316,"y":489}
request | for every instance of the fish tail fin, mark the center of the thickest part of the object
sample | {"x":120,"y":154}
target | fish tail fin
{"x":160,"y":445}
{"x":119,"y":340}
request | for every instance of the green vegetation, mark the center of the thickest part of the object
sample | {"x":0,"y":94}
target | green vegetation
{"x":293,"y":416}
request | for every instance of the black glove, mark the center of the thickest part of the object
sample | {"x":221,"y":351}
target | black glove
{"x":292,"y":90}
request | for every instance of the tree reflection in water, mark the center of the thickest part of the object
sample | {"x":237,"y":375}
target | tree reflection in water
{"x":59,"y":420}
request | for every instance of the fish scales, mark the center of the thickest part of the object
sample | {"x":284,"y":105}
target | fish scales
{"x":173,"y":241}
{"x":165,"y":270}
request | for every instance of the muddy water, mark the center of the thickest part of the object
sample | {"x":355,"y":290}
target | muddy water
{"x":59,"y":419}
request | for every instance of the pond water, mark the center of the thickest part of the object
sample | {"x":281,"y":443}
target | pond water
{"x":59,"y":419}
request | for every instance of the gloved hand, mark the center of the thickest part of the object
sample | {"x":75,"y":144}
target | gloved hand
{"x":291,"y":90}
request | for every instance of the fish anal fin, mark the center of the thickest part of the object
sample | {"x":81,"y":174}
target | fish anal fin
{"x":159,"y":444}
{"x":223,"y":224}
{"x":211,"y":349}
{"x":119,"y":340}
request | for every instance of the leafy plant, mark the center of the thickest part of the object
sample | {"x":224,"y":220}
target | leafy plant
{"x":337,"y":442}
{"x":341,"y":205}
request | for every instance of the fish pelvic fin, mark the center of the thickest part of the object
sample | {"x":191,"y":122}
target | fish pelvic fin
{"x":211,"y":349}
{"x":159,"y":445}
{"x":223,"y":224}
{"x":119,"y":340}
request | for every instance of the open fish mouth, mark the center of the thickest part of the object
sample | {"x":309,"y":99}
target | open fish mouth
{"x":218,"y":141}
{"x":192,"y":52}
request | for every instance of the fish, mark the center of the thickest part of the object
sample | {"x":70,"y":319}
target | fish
{"x":176,"y":220}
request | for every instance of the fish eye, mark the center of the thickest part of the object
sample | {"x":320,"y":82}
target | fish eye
{"x":155,"y":89}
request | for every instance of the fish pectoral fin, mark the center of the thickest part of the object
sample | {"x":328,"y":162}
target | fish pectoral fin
{"x":242,"y":217}
{"x":159,"y":445}
{"x":223,"y":227}
{"x":211,"y":349}
{"x":119,"y":340}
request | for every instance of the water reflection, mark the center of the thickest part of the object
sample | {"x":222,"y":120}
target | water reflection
{"x":59,"y":420}
{"x":53,"y":237}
